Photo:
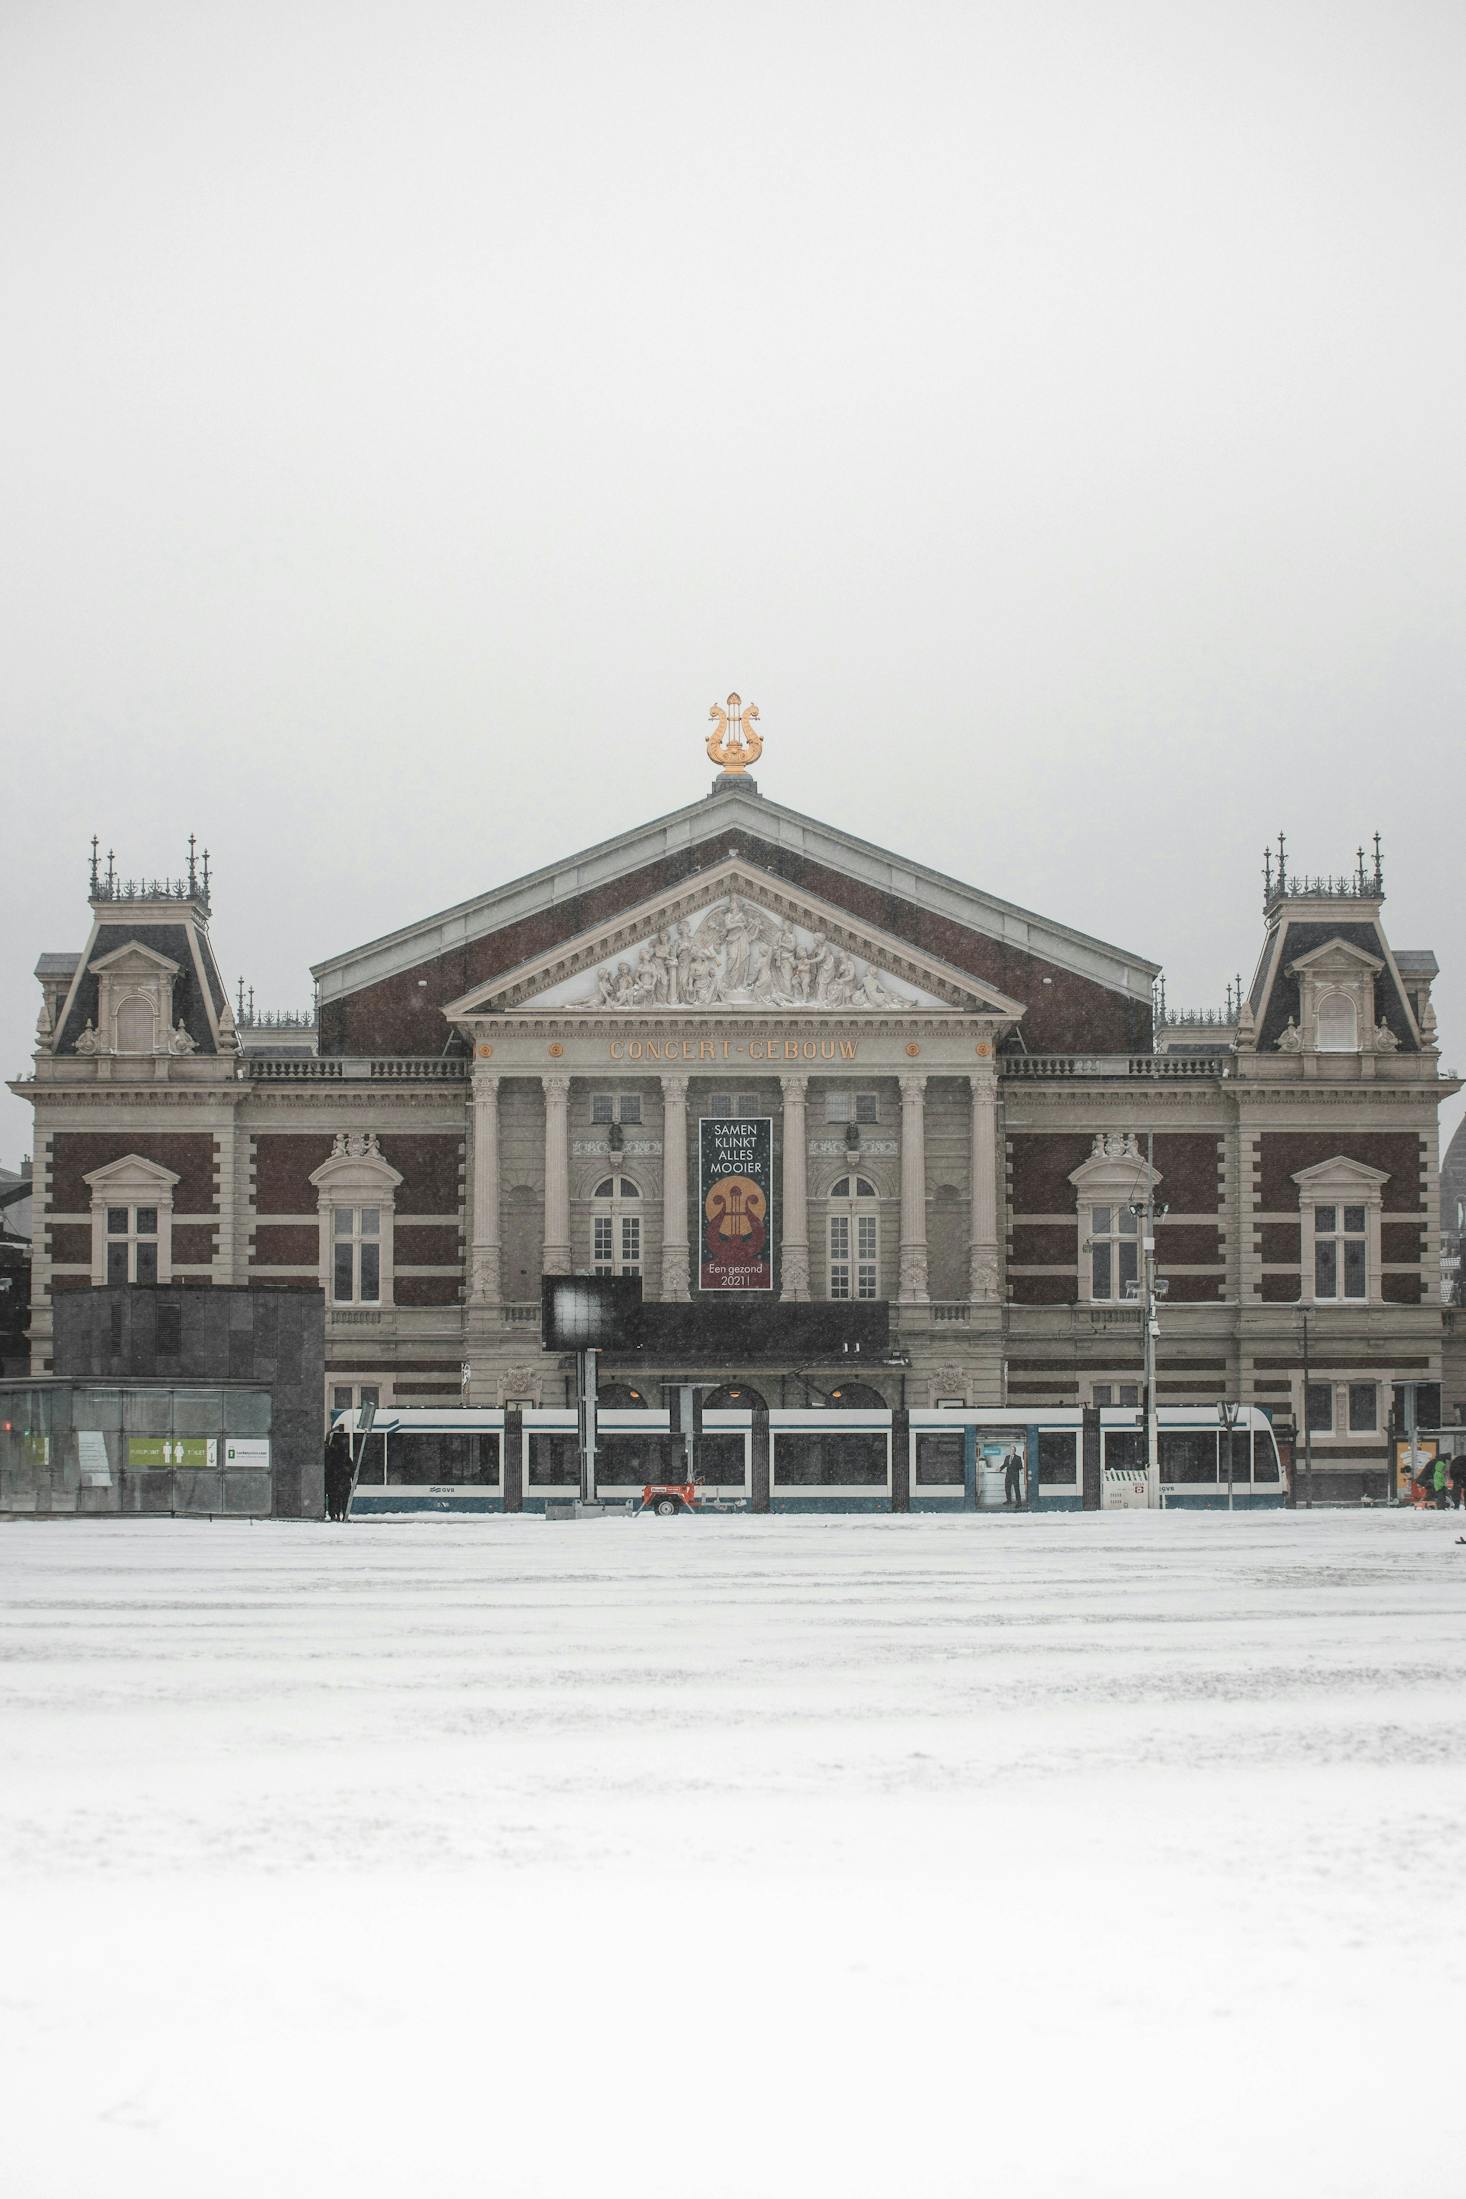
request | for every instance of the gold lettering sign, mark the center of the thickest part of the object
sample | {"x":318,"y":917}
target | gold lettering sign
{"x":758,"y":1047}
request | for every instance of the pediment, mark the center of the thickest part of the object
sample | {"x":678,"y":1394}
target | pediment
{"x":135,"y":960}
{"x":734,"y":940}
{"x":1342,"y":1175}
{"x":131,"y":1174}
{"x":1336,"y":958}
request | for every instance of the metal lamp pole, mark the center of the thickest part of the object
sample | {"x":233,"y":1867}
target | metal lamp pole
{"x":1229,"y":1415}
{"x":1307,"y":1428}
{"x":1148,"y":1306}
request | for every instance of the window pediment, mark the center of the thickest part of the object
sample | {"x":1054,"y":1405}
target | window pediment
{"x":1340,"y":1175}
{"x":132,"y":1177}
{"x":1116,"y":1170}
{"x":355,"y":1164}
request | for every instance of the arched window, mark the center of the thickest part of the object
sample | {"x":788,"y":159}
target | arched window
{"x":855,"y":1238}
{"x":135,"y":1026}
{"x":734,"y":1397}
{"x":615,"y":1247}
{"x":852,"y":1396}
{"x":1338,"y":1024}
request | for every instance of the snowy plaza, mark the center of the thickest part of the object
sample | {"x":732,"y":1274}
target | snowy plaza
{"x":1090,"y":1855}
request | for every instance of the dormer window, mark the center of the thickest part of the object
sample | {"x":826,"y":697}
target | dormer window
{"x":1338,"y":1024}
{"x":135,"y":1014}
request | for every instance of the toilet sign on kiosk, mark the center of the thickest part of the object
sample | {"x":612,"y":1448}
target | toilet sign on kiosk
{"x":736,"y":1202}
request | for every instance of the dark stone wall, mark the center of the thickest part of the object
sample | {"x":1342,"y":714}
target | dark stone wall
{"x":274,"y":1337}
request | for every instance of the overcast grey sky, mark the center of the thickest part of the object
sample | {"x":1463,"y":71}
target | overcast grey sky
{"x":413,"y":417}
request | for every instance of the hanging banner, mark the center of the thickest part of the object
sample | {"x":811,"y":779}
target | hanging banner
{"x":736,"y":1202}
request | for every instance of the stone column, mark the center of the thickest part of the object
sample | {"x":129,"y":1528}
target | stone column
{"x":913,"y":1188}
{"x":676,"y":1276}
{"x":982,"y":1284}
{"x":556,"y":1253}
{"x":795,"y":1226}
{"x":484,"y":1284}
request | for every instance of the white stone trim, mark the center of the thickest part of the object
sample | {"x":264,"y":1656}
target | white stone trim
{"x":1341,"y":1182}
{"x":355,"y":1175}
{"x":132,"y":1181}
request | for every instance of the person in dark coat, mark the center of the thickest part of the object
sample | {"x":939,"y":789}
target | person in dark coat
{"x":1458,"y":1481}
{"x":1013,"y":1479}
{"x":338,"y":1473}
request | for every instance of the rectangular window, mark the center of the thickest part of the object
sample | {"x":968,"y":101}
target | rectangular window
{"x":602,"y":1107}
{"x":117,"y":1221}
{"x":839,"y":1256}
{"x":843,"y":1105}
{"x":939,"y":1461}
{"x":1190,"y":1454}
{"x":1340,"y":1253}
{"x":1057,"y":1457}
{"x":356,"y":1256}
{"x":1363,"y":1408}
{"x":631,"y":1107}
{"x":1114,"y":1253}
{"x":602,"y":1244}
{"x":631,"y":1244}
{"x":1320,"y":1408}
{"x":147,"y":1261}
{"x":117,"y":1263}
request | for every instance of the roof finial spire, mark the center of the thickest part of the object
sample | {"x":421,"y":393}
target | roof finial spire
{"x":205,"y":896}
{"x":96,"y":880}
{"x":1282,"y":862}
{"x":193,"y":883}
{"x":1379,"y":869}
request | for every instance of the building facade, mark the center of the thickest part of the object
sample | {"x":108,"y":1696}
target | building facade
{"x":763,"y":1063}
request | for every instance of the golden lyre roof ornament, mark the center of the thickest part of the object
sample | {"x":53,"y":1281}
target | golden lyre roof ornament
{"x":736,"y":743}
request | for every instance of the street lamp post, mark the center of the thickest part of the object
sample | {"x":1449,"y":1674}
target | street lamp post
{"x":1229,"y":1415}
{"x":1307,"y":1428}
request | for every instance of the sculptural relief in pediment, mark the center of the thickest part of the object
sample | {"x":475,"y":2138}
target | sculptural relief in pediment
{"x":734,"y":954}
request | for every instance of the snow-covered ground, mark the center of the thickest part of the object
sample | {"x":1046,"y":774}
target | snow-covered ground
{"x":1092,"y":1856}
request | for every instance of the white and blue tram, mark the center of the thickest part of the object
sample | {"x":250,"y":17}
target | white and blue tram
{"x":810,"y":1459}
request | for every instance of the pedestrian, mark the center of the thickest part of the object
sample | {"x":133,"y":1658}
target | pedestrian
{"x":1438,"y":1477}
{"x":1013,"y":1480}
{"x":338,"y":1473}
{"x":1458,"y":1481}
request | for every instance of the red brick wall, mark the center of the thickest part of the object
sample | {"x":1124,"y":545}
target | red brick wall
{"x":283,"y":1168}
{"x":1397,"y":1151}
{"x":193,"y":1241}
{"x":1189,"y":1163}
{"x":71,"y":1241}
{"x":1192,"y":1289}
{"x":416,"y":1245}
{"x":1036,"y":1245}
{"x":1044,"y":1290}
{"x":1278,"y":1290}
{"x":1281,"y":1241}
{"x":429,"y":1164}
{"x":401,"y":1016}
{"x":1400,"y":1290}
{"x":426,"y":1290}
{"x":1187,"y":1243}
{"x":1401,"y":1241}
{"x":1041,"y":1166}
{"x":290,"y":1245}
{"x":75,"y":1154}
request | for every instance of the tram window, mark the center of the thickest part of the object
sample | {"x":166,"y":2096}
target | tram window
{"x":1264,"y":1456}
{"x":1188,"y":1454}
{"x":1125,"y":1448}
{"x":939,"y":1461}
{"x":1056,"y":1455}
{"x":831,"y":1461}
{"x":720,"y":1460}
{"x":553,"y":1461}
{"x":415,"y":1461}
{"x":630,"y":1461}
{"x":373,"y":1451}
